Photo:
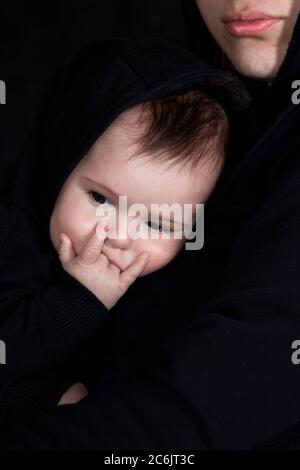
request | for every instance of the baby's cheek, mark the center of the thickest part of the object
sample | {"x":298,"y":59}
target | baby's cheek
{"x":75,"y":223}
{"x":162,"y":252}
{"x":58,"y":224}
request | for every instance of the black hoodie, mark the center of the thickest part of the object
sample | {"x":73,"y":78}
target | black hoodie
{"x":47,"y":317}
{"x":230,"y":378}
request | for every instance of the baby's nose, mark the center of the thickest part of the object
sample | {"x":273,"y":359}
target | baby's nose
{"x":123,"y":243}
{"x":119,"y":237}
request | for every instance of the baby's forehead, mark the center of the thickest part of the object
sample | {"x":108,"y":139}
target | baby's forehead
{"x":117,"y":159}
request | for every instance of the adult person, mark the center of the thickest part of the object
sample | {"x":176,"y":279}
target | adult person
{"x":252,"y":38}
{"x":228,"y":381}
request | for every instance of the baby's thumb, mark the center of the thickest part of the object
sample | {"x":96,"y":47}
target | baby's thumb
{"x":65,"y":251}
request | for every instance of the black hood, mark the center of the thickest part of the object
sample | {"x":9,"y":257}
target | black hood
{"x":200,"y":40}
{"x":83,"y":98}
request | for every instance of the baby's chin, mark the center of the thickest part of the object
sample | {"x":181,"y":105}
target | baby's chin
{"x":149,"y":270}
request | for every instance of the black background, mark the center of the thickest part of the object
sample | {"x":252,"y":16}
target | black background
{"x":35,"y":37}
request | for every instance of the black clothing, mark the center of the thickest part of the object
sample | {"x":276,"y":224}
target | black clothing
{"x":224,"y":377}
{"x":48,"y":319}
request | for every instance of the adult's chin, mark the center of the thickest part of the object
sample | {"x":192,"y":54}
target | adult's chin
{"x":258,"y":64}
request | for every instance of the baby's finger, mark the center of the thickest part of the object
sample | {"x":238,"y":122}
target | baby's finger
{"x":92,"y":250}
{"x":103,"y":260}
{"x":131,"y":274}
{"x":75,"y":393}
{"x":66,"y":251}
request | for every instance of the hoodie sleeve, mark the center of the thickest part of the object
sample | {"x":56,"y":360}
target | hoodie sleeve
{"x":227,"y":382}
{"x":44,"y":317}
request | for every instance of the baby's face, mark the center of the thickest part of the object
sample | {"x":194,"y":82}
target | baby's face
{"x":103,"y":175}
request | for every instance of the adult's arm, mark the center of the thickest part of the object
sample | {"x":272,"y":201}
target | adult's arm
{"x":228,"y":381}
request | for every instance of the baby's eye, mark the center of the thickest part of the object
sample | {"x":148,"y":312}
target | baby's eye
{"x":99,"y":198}
{"x":158,"y":227}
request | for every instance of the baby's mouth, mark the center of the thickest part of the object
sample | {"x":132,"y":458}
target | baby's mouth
{"x":114,"y":263}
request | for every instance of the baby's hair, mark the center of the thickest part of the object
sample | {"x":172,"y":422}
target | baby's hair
{"x":187,"y":128}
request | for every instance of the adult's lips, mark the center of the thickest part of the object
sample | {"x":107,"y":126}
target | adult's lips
{"x":249,"y":24}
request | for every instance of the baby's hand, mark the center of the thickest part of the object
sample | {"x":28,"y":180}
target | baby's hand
{"x":93,"y":269}
{"x":75,"y":393}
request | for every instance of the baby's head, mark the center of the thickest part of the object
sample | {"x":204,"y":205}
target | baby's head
{"x":168,"y":152}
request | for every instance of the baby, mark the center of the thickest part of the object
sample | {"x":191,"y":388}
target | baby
{"x":169,"y":151}
{"x":141,"y":120}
